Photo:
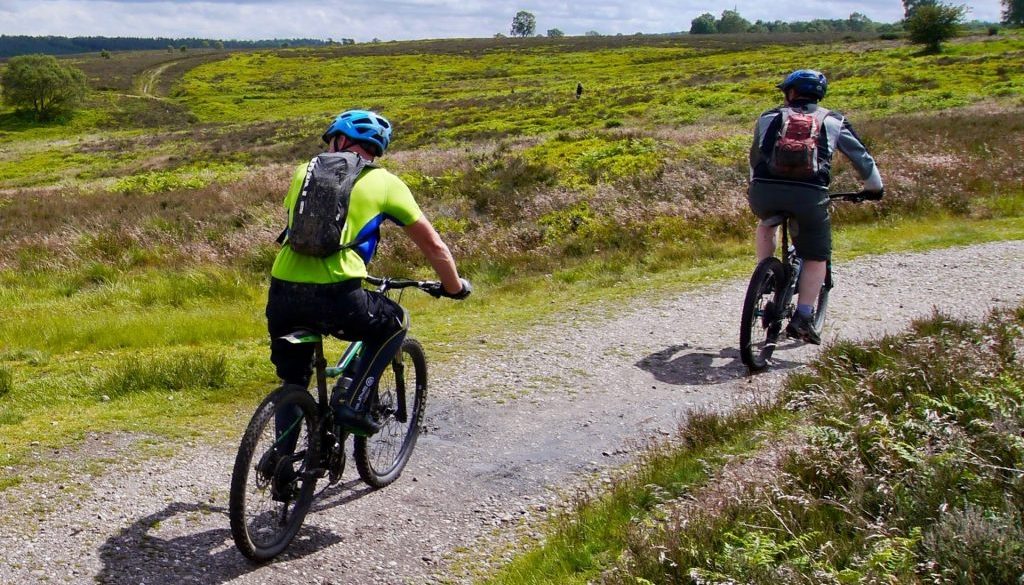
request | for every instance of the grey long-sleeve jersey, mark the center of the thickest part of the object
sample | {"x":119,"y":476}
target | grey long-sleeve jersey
{"x":836,"y":134}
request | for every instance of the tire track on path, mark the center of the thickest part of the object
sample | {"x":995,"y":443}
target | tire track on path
{"x":150,"y":77}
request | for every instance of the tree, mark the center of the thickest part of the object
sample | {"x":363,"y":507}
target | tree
{"x":1013,"y":11}
{"x":42,"y":84}
{"x":732,"y":22}
{"x":911,"y":6}
{"x":555,"y":33}
{"x":591,"y":33}
{"x":859,"y":23}
{"x":703,"y":25}
{"x":524,"y":24}
{"x":932,"y":24}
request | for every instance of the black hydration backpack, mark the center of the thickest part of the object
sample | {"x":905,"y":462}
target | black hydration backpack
{"x":322,"y":205}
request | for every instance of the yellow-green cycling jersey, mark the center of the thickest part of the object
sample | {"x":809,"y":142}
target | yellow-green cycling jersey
{"x":377,"y":196}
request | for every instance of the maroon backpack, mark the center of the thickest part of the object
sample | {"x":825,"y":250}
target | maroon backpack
{"x":795,"y":155}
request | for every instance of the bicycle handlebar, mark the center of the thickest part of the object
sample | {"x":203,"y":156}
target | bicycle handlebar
{"x":855,"y":196}
{"x":432,"y":287}
{"x":390,"y":283}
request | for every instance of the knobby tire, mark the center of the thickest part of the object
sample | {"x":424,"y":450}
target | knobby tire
{"x":761,"y":318}
{"x":260,"y":526}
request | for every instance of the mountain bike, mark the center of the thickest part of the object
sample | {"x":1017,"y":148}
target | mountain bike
{"x":769,"y":298}
{"x":292,"y":440}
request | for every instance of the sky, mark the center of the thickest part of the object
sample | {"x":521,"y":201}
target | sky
{"x":408,"y":19}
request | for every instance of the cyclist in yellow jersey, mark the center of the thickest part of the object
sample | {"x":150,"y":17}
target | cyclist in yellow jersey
{"x":326,"y":294}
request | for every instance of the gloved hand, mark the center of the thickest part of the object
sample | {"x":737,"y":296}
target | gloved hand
{"x":874,"y":195}
{"x":467,"y":289}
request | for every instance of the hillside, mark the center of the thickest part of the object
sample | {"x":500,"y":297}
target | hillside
{"x":492,"y":140}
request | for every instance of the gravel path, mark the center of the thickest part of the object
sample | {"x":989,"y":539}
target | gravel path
{"x":562,"y":403}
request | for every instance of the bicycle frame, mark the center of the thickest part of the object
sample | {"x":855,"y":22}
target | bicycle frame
{"x":323,"y":372}
{"x":794,"y":267}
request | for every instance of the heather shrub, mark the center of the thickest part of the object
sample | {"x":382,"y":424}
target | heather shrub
{"x":909,"y":473}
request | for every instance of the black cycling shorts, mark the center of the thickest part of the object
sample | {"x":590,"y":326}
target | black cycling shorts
{"x":807,"y":205}
{"x":342,"y":309}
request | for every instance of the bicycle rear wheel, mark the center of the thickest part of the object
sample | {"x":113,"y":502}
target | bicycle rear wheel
{"x":274,"y":477}
{"x":401,"y":398}
{"x":761,"y":318}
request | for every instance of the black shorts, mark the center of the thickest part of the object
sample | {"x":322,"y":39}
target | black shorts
{"x":807,"y":205}
{"x":341,"y":309}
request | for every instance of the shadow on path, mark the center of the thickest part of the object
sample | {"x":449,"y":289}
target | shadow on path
{"x":140,"y":554}
{"x":683,"y":365}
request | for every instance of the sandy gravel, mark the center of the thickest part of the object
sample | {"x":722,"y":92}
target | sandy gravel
{"x":528,"y":415}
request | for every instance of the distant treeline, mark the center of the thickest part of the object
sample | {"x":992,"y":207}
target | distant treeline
{"x":732,"y":22}
{"x":13,"y":45}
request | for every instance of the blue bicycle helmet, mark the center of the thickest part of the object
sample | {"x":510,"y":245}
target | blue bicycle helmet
{"x":806,"y":82}
{"x":364,"y":126}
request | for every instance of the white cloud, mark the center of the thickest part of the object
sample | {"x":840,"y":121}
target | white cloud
{"x":404,"y":19}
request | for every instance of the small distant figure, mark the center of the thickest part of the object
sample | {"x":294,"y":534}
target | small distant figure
{"x":579,"y":90}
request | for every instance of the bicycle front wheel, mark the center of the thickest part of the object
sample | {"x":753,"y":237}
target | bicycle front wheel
{"x":401,"y":398}
{"x":274,"y":476}
{"x":761,"y":318}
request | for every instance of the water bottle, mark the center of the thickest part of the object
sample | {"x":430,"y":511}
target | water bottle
{"x":341,"y":388}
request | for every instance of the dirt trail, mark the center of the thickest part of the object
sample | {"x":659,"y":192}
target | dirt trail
{"x":502,"y":432}
{"x":149,"y":78}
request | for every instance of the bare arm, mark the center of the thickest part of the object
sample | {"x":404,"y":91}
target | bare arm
{"x":429,"y":242}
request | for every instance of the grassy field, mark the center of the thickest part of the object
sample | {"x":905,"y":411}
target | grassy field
{"x":137,"y":233}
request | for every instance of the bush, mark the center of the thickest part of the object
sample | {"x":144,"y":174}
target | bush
{"x":908,"y":474}
{"x":975,"y":542}
{"x":42,"y":84}
{"x":933,"y":24}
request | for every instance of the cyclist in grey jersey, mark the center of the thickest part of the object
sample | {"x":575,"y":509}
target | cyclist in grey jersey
{"x":806,"y":199}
